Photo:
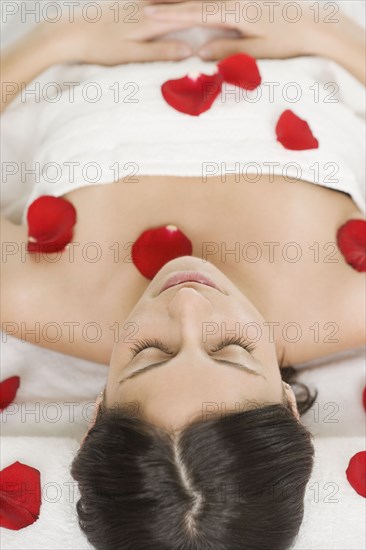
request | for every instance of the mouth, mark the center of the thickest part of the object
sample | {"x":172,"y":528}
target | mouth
{"x":189,"y":277}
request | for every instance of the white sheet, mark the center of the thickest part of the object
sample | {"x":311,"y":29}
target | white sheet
{"x":54,"y":404}
{"x":333,"y":511}
{"x":334,"y":518}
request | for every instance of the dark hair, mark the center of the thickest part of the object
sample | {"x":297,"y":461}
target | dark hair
{"x":304,"y":398}
{"x":228,"y":483}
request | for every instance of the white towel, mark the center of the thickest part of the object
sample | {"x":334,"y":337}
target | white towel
{"x":77,"y":141}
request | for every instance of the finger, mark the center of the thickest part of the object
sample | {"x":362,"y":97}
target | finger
{"x":154,"y":28}
{"x":159,"y":51}
{"x":164,"y":1}
{"x":195,"y":13}
{"x":218,"y":49}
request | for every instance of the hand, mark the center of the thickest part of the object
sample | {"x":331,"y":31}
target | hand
{"x":265,"y":31}
{"x":122,"y":34}
{"x":164,"y":1}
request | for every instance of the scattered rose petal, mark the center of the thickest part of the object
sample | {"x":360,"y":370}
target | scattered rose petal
{"x":294,"y":133}
{"x":50,"y":224}
{"x":193,"y":94}
{"x":356,"y":473}
{"x":240,"y":70}
{"x":156,"y":247}
{"x":8,"y":390}
{"x":20,"y":496}
{"x":351,"y":239}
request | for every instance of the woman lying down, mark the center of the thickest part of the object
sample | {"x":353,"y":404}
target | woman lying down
{"x":197,"y":443}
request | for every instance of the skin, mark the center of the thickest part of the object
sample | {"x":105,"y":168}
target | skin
{"x":192,"y":375}
{"x":274,"y":33}
{"x":192,"y":381}
{"x":113,"y":293}
{"x":104,"y":42}
{"x":106,"y":291}
{"x":108,"y":42}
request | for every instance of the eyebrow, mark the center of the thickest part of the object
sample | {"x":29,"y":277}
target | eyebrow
{"x":237,"y":366}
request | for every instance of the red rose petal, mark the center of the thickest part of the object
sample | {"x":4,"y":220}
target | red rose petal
{"x":240,"y":70}
{"x":8,"y":390}
{"x":356,"y":473}
{"x":20,"y":495}
{"x":351,"y":239}
{"x":192,"y":95}
{"x":50,"y":224}
{"x":364,"y":398}
{"x":156,"y":247}
{"x":294,"y":133}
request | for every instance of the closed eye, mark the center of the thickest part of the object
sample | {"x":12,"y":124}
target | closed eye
{"x":146,"y":344}
{"x":232,"y":364}
{"x":226,"y":342}
{"x":241,"y":342}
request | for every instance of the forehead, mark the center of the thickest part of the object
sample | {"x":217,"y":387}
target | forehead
{"x":174,"y":414}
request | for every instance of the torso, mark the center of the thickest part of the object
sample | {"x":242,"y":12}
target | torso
{"x":246,"y":229}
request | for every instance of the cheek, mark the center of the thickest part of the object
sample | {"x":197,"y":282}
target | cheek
{"x":130,"y":331}
{"x":242,"y":308}
{"x":242,"y":322}
{"x":265,"y":353}
{"x":142,"y":318}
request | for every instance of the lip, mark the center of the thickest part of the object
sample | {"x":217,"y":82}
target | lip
{"x":188,"y":277}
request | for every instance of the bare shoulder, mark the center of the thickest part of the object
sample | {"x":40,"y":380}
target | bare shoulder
{"x":355,"y":301}
{"x":13,"y":267}
{"x":46,"y":299}
{"x":326,"y":297}
{"x":24,"y":283}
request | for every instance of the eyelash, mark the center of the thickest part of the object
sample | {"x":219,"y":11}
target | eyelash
{"x":241,"y":341}
{"x":144,"y":344}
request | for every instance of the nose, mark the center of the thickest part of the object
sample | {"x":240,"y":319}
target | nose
{"x":189,"y":305}
{"x":189,"y":310}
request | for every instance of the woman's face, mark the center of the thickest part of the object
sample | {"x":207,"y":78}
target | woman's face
{"x":205,"y":350}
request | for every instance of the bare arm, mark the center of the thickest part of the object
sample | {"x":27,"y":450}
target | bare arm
{"x":24,"y":60}
{"x":345,"y":44}
{"x":13,"y":269}
{"x":112,"y":40}
{"x":347,"y":47}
